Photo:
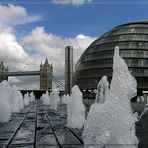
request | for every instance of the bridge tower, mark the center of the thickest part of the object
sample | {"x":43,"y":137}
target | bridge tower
{"x":3,"y":69}
{"x":46,"y":72}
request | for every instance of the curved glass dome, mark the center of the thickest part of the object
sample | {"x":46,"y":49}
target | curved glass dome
{"x":97,"y":59}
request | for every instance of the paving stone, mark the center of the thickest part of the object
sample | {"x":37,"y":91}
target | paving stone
{"x":39,"y":126}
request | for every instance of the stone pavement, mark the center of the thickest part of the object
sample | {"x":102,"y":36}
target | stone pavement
{"x":37,"y":126}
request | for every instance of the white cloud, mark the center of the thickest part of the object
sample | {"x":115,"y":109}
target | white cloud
{"x":11,"y":13}
{"x":73,"y":2}
{"x":53,"y":47}
{"x":45,"y":45}
{"x":15,"y":57}
{"x":11,"y":52}
{"x":15,"y":14}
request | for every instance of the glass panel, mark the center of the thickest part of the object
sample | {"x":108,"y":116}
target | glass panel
{"x":132,"y":30}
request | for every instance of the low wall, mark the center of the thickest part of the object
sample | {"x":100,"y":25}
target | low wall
{"x":38,"y":93}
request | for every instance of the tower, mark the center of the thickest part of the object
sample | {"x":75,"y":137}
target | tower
{"x":46,"y":71}
{"x":68,"y":69}
{"x":3,"y":69}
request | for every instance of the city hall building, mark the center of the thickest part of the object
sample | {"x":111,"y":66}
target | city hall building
{"x":97,"y":59}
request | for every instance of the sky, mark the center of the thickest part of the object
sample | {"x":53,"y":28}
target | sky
{"x":33,"y":30}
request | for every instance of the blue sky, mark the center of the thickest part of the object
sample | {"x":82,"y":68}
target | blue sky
{"x":32,"y":30}
{"x":90,"y":19}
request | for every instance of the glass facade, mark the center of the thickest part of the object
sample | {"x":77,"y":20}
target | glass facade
{"x":97,"y":59}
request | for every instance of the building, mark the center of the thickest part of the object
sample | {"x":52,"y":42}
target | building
{"x":3,"y":69}
{"x":68,"y":69}
{"x":46,"y":72}
{"x":97,"y":59}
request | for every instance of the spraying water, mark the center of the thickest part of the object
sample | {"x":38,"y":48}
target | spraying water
{"x":45,"y":98}
{"x":102,"y":90}
{"x":54,"y":98}
{"x":112,"y":123}
{"x":11,"y":101}
{"x":75,"y":109}
{"x":138,"y":100}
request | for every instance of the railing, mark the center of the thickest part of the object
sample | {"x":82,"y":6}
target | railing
{"x":20,"y":73}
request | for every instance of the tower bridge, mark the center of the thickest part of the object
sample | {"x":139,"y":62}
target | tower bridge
{"x":20,"y":73}
{"x":45,"y":73}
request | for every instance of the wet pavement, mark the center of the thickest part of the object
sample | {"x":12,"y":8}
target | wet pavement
{"x":37,"y":126}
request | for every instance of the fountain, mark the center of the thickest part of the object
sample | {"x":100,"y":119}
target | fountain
{"x":138,"y":100}
{"x":75,"y":109}
{"x":54,"y":98}
{"x":11,"y":101}
{"x":26,"y":99}
{"x":142,"y":99}
{"x":111,"y":122}
{"x":45,"y":98}
{"x":102,"y":90}
{"x":32,"y":96}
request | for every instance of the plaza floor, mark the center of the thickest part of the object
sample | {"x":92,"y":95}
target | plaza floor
{"x":37,"y":126}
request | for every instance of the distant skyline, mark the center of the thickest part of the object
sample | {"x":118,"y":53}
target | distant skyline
{"x":31,"y":31}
